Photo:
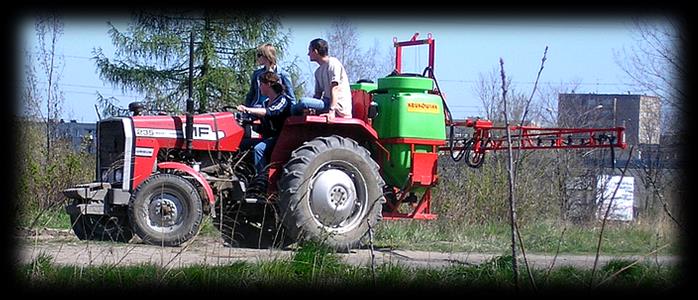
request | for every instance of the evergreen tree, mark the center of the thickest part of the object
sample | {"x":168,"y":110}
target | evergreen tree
{"x":153,"y":59}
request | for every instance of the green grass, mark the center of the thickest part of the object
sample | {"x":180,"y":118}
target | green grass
{"x":314,"y":268}
{"x":207,"y":228}
{"x":542,"y":237}
{"x":53,"y":218}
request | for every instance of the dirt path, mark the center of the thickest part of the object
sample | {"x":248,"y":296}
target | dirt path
{"x":66,"y":249}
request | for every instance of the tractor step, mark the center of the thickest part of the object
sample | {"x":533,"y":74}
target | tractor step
{"x":88,"y":191}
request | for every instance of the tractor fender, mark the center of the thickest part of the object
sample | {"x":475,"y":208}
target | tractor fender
{"x":189,"y":170}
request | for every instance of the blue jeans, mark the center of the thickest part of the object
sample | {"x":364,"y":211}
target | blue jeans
{"x":260,"y":153}
{"x":259,"y":149}
{"x":320,"y":106}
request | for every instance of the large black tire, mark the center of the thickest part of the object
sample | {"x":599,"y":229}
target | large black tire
{"x":101,"y":228}
{"x":331,"y":192}
{"x":166,"y":210}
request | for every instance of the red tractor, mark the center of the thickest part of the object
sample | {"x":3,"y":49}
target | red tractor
{"x":331,"y":181}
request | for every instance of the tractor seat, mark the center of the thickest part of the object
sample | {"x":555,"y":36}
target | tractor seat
{"x":360,"y":103}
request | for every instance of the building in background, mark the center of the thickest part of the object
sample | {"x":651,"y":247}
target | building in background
{"x":80,"y":135}
{"x":639,"y":114}
{"x":654,"y":153}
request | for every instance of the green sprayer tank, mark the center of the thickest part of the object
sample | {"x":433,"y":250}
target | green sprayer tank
{"x":406,"y":110}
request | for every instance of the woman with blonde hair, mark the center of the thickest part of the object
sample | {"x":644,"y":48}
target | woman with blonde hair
{"x":266,"y":58}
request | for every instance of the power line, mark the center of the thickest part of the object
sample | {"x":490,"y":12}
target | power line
{"x":80,"y":57}
{"x":65,"y":55}
{"x":100,"y":88}
{"x":546,"y":82}
{"x":95,"y":93}
{"x":460,"y":80}
{"x":75,"y":85}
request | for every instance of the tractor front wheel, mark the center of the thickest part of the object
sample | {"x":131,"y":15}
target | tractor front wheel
{"x":166,"y":210}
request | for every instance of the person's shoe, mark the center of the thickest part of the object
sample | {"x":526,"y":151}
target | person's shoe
{"x":309,"y":112}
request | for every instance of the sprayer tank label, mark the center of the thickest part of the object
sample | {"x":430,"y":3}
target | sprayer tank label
{"x":422,"y":107}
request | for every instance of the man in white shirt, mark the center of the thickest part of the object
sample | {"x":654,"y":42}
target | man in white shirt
{"x":332,"y":93}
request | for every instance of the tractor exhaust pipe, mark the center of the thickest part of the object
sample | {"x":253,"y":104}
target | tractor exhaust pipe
{"x":190,"y":102}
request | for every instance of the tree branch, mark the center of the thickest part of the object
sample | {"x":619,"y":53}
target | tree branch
{"x":605,"y":217}
{"x":510,"y":167}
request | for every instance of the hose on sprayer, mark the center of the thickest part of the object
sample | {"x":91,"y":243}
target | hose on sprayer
{"x":473,"y":160}
{"x":452,"y":145}
{"x":449,"y":118}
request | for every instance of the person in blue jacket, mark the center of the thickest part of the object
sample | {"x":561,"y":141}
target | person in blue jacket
{"x":266,"y":58}
{"x":272,"y":117}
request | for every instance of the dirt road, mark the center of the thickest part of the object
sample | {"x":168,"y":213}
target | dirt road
{"x":66,"y":249}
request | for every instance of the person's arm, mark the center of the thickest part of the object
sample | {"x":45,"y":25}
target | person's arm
{"x":318,"y":90}
{"x":288,"y":87}
{"x":255,"y":111}
{"x":335,"y":72}
{"x":277,"y":107}
{"x":333,"y":99}
{"x":274,"y":109}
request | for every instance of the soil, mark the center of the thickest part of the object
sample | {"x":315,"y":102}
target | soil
{"x":66,"y":249}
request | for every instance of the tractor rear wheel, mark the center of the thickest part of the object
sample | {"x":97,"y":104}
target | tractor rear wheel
{"x":331,"y":192}
{"x":166,"y":210}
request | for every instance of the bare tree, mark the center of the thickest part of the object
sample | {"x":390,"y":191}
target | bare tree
{"x":31,"y":96}
{"x":548,"y":98}
{"x":656,"y":63}
{"x":375,"y":64}
{"x":657,"y":178}
{"x":487,"y":89}
{"x":49,"y":28}
{"x":47,"y":163}
{"x":343,"y":43}
{"x":343,"y":40}
{"x":511,"y":177}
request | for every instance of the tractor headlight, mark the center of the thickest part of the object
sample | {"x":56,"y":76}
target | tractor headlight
{"x":113,"y":175}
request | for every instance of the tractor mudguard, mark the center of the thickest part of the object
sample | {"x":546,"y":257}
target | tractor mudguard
{"x":189,"y":170}
{"x":300,"y":129}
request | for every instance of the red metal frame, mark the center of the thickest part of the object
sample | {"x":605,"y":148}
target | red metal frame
{"x":423,"y":174}
{"x":420,"y":210}
{"x":535,"y":138}
{"x":414,"y":42}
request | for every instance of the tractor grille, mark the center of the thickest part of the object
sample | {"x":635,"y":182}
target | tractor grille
{"x":110,"y":159}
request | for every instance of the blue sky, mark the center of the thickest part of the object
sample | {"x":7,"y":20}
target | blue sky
{"x":580,"y":50}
